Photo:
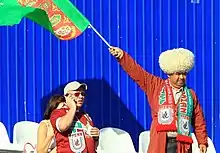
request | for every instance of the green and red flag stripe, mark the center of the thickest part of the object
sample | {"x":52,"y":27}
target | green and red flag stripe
{"x":60,"y":17}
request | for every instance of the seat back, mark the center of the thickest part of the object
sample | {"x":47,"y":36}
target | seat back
{"x":115,"y":140}
{"x":25,"y":134}
{"x":144,"y":140}
{"x":4,"y":138}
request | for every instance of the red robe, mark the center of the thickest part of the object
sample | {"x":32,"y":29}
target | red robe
{"x":152,"y":86}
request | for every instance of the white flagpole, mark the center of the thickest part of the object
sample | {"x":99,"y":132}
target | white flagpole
{"x":103,"y":39}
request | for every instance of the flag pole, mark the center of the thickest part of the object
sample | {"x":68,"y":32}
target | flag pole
{"x":103,"y":39}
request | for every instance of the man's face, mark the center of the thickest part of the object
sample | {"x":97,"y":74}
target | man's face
{"x":79,"y":96}
{"x":177,"y":80}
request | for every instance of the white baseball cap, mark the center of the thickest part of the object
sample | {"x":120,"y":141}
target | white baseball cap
{"x":74,"y":86}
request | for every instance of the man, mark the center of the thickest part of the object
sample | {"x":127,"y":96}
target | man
{"x":173,"y":106}
{"x":74,"y":130}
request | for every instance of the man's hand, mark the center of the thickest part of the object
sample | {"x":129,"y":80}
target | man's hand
{"x":94,"y":132}
{"x":202,"y":148}
{"x":70,"y":101}
{"x":117,"y":52}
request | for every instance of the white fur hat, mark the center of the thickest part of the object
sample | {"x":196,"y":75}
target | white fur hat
{"x":176,"y":60}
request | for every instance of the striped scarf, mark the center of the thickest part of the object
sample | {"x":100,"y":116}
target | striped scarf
{"x":175,"y":118}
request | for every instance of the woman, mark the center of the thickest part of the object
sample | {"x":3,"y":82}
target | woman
{"x":45,"y":137}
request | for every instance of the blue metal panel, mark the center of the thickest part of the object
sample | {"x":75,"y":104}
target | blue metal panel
{"x":34,"y":64}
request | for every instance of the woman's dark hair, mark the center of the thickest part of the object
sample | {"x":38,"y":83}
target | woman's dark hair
{"x":53,"y":104}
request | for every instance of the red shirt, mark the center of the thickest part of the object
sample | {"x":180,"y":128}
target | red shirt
{"x":76,"y":137}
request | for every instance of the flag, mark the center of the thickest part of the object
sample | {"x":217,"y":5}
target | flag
{"x":60,"y":17}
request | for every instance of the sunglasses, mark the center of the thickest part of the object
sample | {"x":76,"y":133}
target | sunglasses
{"x":76,"y":94}
{"x":79,"y":93}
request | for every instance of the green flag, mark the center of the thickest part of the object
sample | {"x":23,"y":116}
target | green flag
{"x":60,"y":17}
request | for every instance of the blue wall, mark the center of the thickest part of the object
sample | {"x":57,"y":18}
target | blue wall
{"x":34,"y":64}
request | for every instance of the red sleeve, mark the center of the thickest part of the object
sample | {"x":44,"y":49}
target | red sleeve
{"x":57,"y":113}
{"x":199,"y":122}
{"x":146,"y":81}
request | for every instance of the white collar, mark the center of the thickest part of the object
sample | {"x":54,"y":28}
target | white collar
{"x":177,"y":90}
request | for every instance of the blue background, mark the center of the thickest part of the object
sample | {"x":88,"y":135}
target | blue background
{"x":34,"y":64}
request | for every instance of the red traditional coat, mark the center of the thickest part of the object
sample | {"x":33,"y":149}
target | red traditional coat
{"x":152,"y":86}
